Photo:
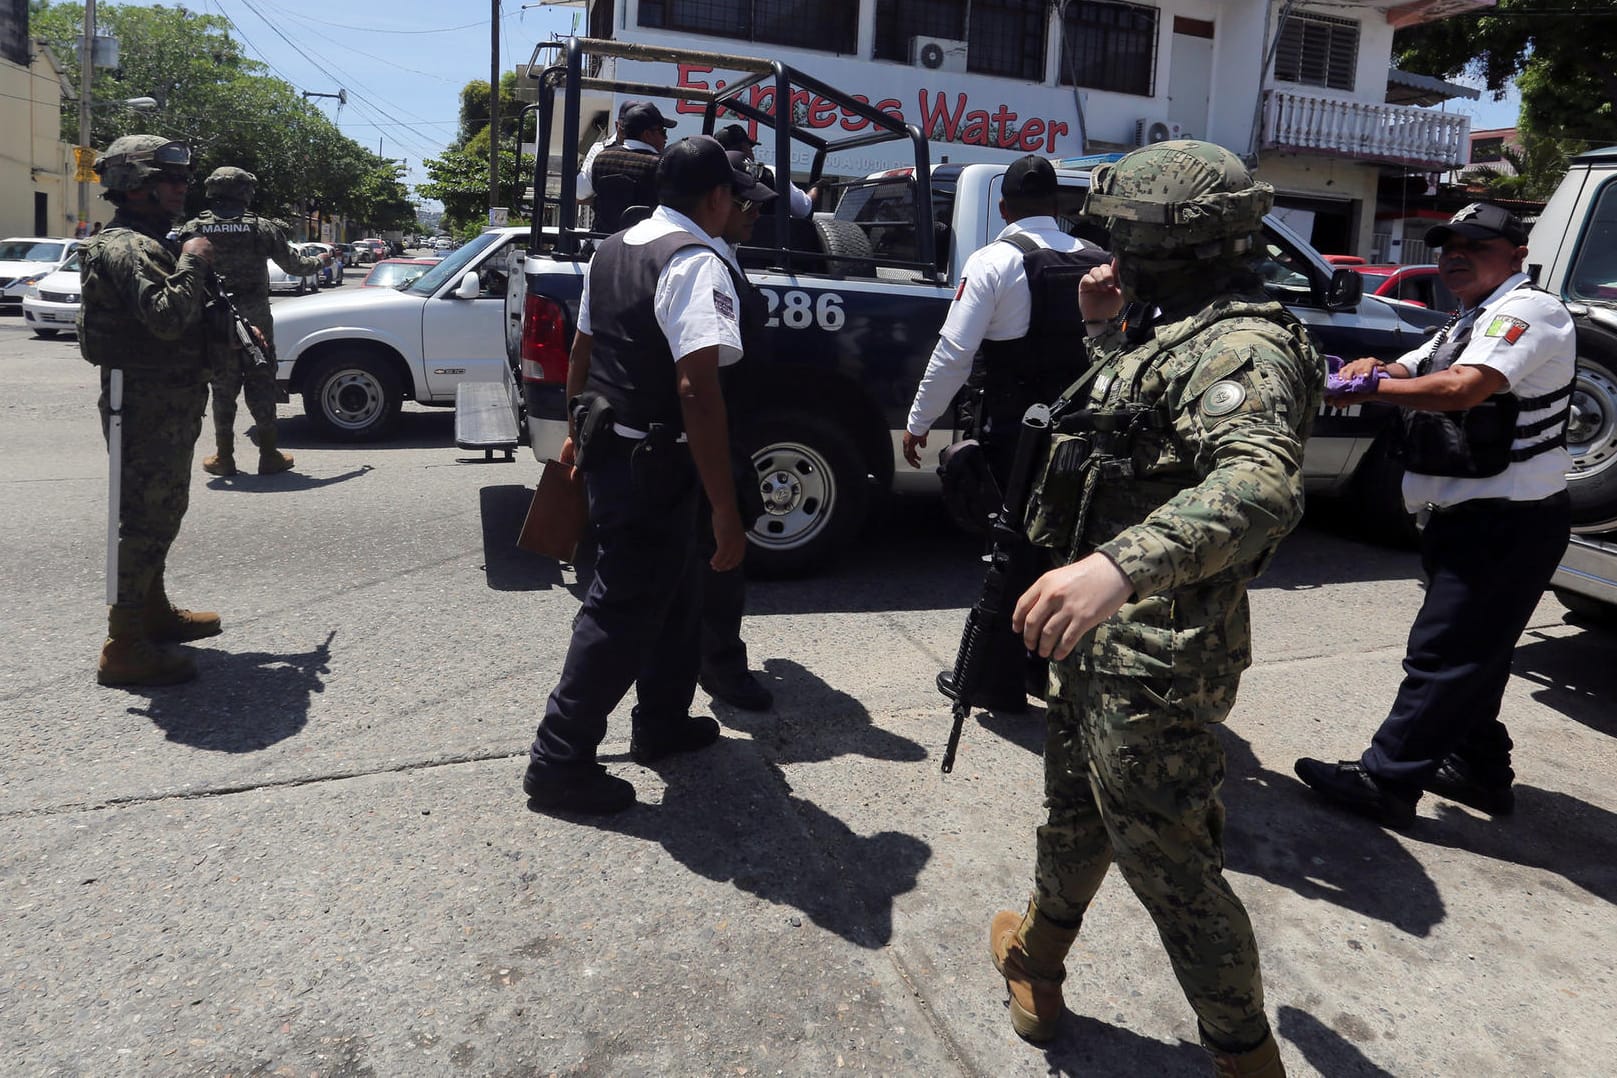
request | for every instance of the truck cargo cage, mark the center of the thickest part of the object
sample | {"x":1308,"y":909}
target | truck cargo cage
{"x":836,"y":252}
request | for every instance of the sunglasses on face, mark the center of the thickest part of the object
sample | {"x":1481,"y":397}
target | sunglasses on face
{"x":745,"y":205}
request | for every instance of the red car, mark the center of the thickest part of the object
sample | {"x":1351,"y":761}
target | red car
{"x":1412,"y":284}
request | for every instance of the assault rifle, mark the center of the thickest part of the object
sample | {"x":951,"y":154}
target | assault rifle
{"x":240,"y":327}
{"x":992,"y":603}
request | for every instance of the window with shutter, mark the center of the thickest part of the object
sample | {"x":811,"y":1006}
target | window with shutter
{"x":1317,"y":50}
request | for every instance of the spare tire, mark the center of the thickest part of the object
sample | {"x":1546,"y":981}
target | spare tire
{"x":1592,"y":438}
{"x":848,"y":240}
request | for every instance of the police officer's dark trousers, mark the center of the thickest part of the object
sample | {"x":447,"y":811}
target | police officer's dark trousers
{"x":639,"y":622}
{"x":1487,"y":563}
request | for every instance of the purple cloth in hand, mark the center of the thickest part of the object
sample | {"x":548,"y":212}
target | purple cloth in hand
{"x":1337,"y":386}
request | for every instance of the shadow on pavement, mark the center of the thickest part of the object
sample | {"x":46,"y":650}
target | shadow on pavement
{"x":812,"y":721}
{"x":1550,"y":831}
{"x":1279,"y":831}
{"x":1088,"y":1046}
{"x":1326,"y":1050}
{"x":728,"y":814}
{"x":423,"y":428}
{"x":241,"y":702}
{"x":247,"y":482}
{"x":506,"y":566}
{"x":1574,"y":675}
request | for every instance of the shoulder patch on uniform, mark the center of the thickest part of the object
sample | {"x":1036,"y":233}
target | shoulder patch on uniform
{"x":960,"y":291}
{"x":1503,"y":325}
{"x":1222,"y":398}
{"x":724,"y":305}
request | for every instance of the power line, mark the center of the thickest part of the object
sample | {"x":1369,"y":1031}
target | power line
{"x":378,"y":30}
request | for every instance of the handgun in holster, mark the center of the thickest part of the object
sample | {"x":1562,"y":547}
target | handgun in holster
{"x":592,"y":414}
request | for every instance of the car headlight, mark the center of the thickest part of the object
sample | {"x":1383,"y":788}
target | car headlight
{"x":31,"y":292}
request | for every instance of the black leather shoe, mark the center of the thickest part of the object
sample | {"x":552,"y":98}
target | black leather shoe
{"x":1012,"y":702}
{"x":686,"y":735}
{"x":1350,"y":786}
{"x":741,"y":690}
{"x":1457,"y":781}
{"x":585,"y":789}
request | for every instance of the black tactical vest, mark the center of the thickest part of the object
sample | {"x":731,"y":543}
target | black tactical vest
{"x":1036,"y":367}
{"x":1475,"y":443}
{"x":622,"y":178}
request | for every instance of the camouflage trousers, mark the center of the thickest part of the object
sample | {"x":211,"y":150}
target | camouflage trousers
{"x":162,"y":418}
{"x":235,"y":376}
{"x":1132,"y":770}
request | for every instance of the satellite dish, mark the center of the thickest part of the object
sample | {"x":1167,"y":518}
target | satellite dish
{"x":932,"y":55}
{"x":1158,"y":131}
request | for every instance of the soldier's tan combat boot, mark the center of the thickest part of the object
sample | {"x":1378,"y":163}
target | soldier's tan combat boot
{"x":1029,"y":950}
{"x":270,"y":459}
{"x":131,"y":657}
{"x":222,"y":462}
{"x":1260,"y":1062}
{"x":166,"y":623}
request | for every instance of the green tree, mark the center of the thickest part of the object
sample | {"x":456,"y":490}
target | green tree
{"x":1562,"y":55}
{"x":459,"y":176}
{"x":1538,"y":167}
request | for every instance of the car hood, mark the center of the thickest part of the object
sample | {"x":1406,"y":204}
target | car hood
{"x":60,"y":281}
{"x":303,"y":315}
{"x":22,"y":269}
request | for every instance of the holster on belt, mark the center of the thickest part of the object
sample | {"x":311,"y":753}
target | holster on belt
{"x":592,"y":415}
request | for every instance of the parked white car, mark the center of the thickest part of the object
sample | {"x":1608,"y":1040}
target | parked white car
{"x":282,"y":281}
{"x":26,"y":260}
{"x":356,"y":356}
{"x":51,"y":304}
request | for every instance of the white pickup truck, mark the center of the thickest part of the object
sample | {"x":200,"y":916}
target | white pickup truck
{"x":1572,"y":252}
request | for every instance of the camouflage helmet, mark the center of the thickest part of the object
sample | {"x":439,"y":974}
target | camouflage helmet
{"x":1179,"y":199}
{"x":231,"y":184}
{"x":134,"y":159}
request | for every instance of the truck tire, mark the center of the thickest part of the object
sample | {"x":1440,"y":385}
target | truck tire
{"x":846,"y":239}
{"x":815,"y":488}
{"x":1592,"y":440}
{"x":353,"y":397}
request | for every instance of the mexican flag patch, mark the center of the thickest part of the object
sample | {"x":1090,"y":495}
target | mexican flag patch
{"x":1507,"y":327}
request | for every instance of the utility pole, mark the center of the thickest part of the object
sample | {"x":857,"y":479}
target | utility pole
{"x":493,"y":109}
{"x":86,"y":74}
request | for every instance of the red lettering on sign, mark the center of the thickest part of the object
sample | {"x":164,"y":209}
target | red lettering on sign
{"x":1030,"y":134}
{"x":851,"y":122}
{"x":1057,"y":129}
{"x":687,"y":77}
{"x":892,"y":107}
{"x":821,"y":113}
{"x":1004,"y":128}
{"x":975,"y":133}
{"x":940,"y":123}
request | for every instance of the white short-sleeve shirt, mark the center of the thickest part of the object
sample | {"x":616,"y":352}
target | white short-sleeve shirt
{"x":1526,"y":335}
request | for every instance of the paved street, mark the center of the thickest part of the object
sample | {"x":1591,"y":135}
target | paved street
{"x":317,"y":860}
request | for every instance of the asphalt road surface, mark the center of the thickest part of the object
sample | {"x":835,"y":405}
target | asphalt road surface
{"x":316,"y":859}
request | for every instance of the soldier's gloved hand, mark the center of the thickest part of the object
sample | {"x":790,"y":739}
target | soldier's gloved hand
{"x":199,"y":246}
{"x":1064,"y":604}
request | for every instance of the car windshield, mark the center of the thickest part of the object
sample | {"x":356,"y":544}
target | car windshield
{"x":452,"y":266}
{"x":394,"y":274}
{"x":30,"y":251}
{"x":72,"y":264}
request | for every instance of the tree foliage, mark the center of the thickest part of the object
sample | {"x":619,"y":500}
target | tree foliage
{"x":1538,"y":167}
{"x":214,"y":96}
{"x":1562,"y":55}
{"x":459,"y":176}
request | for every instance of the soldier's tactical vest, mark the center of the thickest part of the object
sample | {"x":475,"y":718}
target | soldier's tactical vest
{"x":622,"y":178}
{"x":1036,"y":367}
{"x":1476,"y":443}
{"x":111,"y":333}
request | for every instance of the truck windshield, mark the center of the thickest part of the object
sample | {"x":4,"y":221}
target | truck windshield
{"x":1594,"y":271}
{"x":452,"y":266}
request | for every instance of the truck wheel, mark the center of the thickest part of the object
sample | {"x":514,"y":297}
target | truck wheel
{"x":1592,"y":440}
{"x":846,"y":239}
{"x":353,"y":398}
{"x":815,"y":489}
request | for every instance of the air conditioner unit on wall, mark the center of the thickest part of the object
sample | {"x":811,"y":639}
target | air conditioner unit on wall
{"x":1147,"y":131}
{"x":938,"y":54}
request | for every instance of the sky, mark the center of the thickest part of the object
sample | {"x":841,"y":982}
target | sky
{"x":403,"y":62}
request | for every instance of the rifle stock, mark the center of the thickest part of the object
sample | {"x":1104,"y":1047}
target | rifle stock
{"x":992,"y":601}
{"x":240,"y":327}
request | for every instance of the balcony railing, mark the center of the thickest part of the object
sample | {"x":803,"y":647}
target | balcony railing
{"x":1396,"y":134}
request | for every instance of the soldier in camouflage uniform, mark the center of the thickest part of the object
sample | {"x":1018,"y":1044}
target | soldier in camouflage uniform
{"x":242,"y":241}
{"x":143,"y":313}
{"x":1194,"y":417}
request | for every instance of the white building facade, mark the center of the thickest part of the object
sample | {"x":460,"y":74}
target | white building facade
{"x":1300,"y":90}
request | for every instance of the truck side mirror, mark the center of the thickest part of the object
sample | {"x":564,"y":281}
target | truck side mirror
{"x":1344,"y":291}
{"x":470,"y":286}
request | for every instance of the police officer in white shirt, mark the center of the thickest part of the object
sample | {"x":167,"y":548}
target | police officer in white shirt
{"x":985,"y":337}
{"x":734,"y":137}
{"x":659,"y":316}
{"x":1484,"y":441}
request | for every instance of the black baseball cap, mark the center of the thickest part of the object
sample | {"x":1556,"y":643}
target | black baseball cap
{"x":735,"y":137}
{"x":749,"y":179}
{"x":1480,"y":221}
{"x":1030,"y":177}
{"x":641,"y":116}
{"x":693,"y":166}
